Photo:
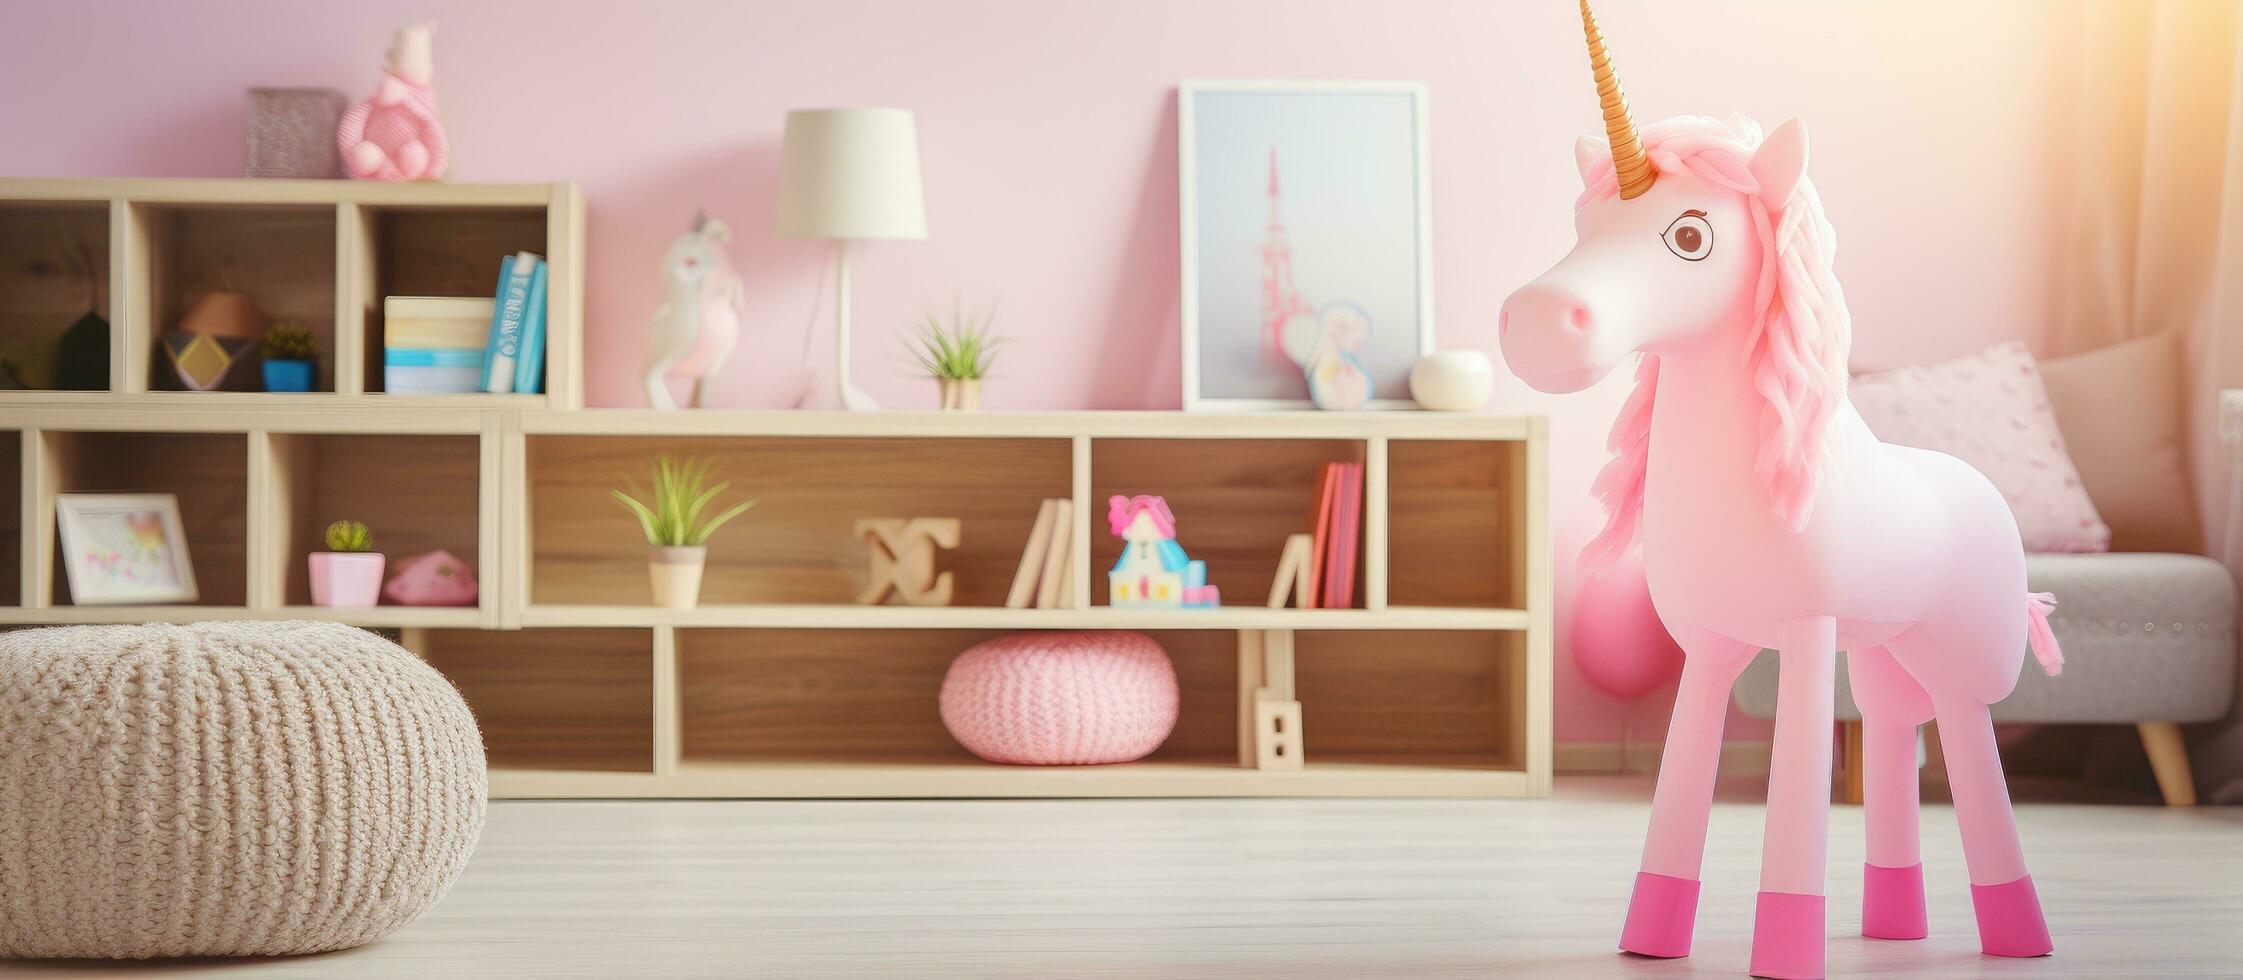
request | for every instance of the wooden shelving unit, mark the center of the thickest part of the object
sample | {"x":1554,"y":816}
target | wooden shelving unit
{"x":1437,"y":684}
{"x":319,"y":252}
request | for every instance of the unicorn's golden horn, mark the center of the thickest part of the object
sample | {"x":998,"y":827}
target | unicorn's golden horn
{"x":1629,"y":162}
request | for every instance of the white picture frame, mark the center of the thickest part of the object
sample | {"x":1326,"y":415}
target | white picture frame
{"x":1204,"y":336}
{"x":124,"y":548}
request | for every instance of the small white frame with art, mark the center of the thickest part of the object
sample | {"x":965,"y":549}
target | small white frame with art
{"x":76,"y":515}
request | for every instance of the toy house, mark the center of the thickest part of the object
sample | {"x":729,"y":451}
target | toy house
{"x":1153,"y":571}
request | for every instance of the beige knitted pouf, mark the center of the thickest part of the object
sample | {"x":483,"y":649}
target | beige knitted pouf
{"x":226,"y":789}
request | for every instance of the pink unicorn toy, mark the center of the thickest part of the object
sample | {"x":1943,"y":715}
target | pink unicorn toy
{"x":1770,"y":517}
{"x":394,"y":134}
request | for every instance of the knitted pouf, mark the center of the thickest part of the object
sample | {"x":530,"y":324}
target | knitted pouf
{"x":226,"y":789}
{"x":1061,"y":699}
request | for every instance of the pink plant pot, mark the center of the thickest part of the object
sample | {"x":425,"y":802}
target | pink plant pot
{"x":346,"y":579}
{"x":1061,"y":699}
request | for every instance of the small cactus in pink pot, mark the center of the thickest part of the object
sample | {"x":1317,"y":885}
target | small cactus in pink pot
{"x":349,"y":573}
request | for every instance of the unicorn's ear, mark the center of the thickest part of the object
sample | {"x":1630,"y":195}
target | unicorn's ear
{"x":1780,"y":162}
{"x":1585,"y":153}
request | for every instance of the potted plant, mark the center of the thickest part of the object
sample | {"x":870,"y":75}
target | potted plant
{"x":676,"y":531}
{"x":291,"y":357}
{"x":349,"y":572}
{"x":956,"y":355}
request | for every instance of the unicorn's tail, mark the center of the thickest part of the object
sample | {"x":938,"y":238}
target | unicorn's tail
{"x":2039,"y":636}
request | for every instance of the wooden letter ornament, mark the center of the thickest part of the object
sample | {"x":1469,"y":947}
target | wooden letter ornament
{"x":903,"y":559}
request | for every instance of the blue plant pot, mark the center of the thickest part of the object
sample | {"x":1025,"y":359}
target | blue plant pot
{"x":288,"y":375}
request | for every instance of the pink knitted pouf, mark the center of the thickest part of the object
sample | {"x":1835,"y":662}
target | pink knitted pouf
{"x":1061,"y":699}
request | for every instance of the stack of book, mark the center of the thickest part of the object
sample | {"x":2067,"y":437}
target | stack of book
{"x":433,"y":345}
{"x":439,"y":345}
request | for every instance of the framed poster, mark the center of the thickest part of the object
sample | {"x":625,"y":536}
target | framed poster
{"x":124,"y":548}
{"x":1306,"y":234}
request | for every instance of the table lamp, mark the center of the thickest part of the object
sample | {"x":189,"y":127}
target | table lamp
{"x":846,"y":175}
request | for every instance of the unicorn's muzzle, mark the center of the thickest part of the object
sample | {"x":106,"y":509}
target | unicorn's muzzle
{"x":1551,"y":340}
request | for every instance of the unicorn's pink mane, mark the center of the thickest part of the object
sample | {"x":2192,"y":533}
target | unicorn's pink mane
{"x":1796,"y":351}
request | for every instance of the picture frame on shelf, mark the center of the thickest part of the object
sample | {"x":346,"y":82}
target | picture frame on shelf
{"x":124,"y":548}
{"x":1306,"y":212}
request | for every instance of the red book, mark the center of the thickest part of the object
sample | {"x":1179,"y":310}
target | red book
{"x":1347,"y":528}
{"x":1324,"y":501}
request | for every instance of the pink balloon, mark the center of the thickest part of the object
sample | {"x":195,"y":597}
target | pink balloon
{"x":1618,"y":642}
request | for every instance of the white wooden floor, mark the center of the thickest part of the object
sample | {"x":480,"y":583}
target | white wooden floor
{"x":1266,"y":888}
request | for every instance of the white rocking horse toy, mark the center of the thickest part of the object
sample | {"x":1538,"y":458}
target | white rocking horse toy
{"x":699,"y":321}
{"x":1771,"y":517}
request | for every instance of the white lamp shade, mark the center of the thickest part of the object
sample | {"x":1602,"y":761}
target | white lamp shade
{"x":850,"y":173}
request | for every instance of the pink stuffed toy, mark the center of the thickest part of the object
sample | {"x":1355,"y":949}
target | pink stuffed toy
{"x":394,"y":134}
{"x":1772,"y":517}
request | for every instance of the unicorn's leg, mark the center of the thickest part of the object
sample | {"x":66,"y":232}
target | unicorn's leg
{"x":2009,"y":910}
{"x":1892,"y":706}
{"x":1787,"y":929}
{"x":1664,"y":907}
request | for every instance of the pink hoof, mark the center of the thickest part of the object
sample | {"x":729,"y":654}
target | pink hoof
{"x":1892,"y":902}
{"x":2009,"y":919}
{"x":1787,"y":936}
{"x":1661,"y":915}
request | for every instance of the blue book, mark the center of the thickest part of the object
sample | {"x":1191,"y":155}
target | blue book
{"x":529,"y":365}
{"x":506,"y":322}
{"x":433,"y":357}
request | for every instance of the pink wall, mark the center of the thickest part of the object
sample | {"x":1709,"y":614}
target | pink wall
{"x":1048,"y":138}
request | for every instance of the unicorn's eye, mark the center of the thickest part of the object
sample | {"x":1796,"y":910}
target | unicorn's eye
{"x":1690,"y":238}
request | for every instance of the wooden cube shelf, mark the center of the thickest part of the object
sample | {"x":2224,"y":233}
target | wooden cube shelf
{"x":419,"y":492}
{"x":1456,"y":523}
{"x":320,"y":253}
{"x":282,"y":257}
{"x":208,"y":471}
{"x":1235,"y":501}
{"x":1436,"y":681}
{"x":797,"y":546}
{"x":433,"y":251}
{"x":553,"y":700}
{"x":54,"y":269}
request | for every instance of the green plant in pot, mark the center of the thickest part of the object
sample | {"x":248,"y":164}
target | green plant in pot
{"x":349,"y":573}
{"x":957,"y":355}
{"x":291,"y":357}
{"x":674,"y":514}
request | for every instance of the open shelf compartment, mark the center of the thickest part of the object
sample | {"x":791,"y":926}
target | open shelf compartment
{"x":1235,"y":502}
{"x":847,"y":698}
{"x":281,"y":257}
{"x":11,"y":518}
{"x":54,"y":270}
{"x":1407,"y":698}
{"x":207,"y":471}
{"x":1456,"y":524}
{"x":797,"y":546}
{"x":555,"y":700}
{"x":451,"y":251}
{"x":415,"y":493}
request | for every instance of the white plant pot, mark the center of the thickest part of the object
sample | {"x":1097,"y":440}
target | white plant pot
{"x":1453,"y":381}
{"x":676,"y":575}
{"x":960,"y":394}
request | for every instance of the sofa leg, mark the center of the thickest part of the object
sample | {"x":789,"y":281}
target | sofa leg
{"x":2169,"y":759}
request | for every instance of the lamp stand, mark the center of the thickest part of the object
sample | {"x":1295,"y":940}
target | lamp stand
{"x":852,"y":398}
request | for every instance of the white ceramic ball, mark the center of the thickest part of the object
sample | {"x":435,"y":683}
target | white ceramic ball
{"x":1453,"y":380}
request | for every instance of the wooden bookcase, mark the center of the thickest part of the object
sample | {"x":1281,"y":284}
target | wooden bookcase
{"x":1437,"y":682}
